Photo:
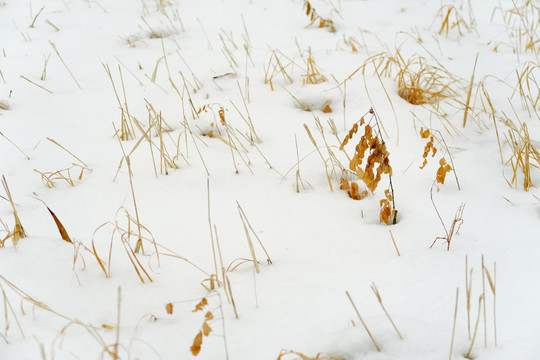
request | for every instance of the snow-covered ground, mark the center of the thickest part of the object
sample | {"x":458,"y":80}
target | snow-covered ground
{"x":183,"y":124}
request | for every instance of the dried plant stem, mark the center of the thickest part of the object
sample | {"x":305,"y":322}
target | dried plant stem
{"x":244,"y":218}
{"x":33,"y":83}
{"x":250,"y":244}
{"x":7,"y":304}
{"x":35,"y":17}
{"x":12,"y":143}
{"x":493,"y":285}
{"x":469,"y":93}
{"x":18,"y":231}
{"x":139,"y":244}
{"x":468,"y":288}
{"x":362,"y":321}
{"x":66,"y":150}
{"x":480,"y":300}
{"x":379,"y":298}
{"x":117,"y":342}
{"x":211,"y":230}
{"x":484,"y":296}
{"x":232,"y":297}
{"x":394,"y":242}
{"x":495,"y":301}
{"x":454,"y":325}
{"x":62,"y":60}
{"x":328,"y":177}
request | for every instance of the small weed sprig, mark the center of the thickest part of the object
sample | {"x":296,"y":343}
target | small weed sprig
{"x":205,"y":328}
{"x":315,"y":17}
{"x":454,"y":227}
{"x":436,"y":139}
{"x":209,"y":318}
{"x":377,"y":163}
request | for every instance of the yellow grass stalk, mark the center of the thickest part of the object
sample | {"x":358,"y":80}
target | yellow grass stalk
{"x":33,"y":83}
{"x":12,"y":143}
{"x":480,"y":301}
{"x":454,"y":325}
{"x":493,"y":285}
{"x":328,"y":178}
{"x":469,"y":93}
{"x":394,"y":242}
{"x":65,"y":65}
{"x":362,"y":321}
{"x":245,"y":222}
{"x":379,"y":299}
{"x":18,"y":232}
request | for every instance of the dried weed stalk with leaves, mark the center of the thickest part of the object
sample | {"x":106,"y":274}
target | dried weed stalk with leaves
{"x":434,"y":140}
{"x":371,"y":148}
{"x":315,"y":17}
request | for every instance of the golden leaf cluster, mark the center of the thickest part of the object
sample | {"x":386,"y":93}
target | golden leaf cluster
{"x":425,"y":134}
{"x":377,"y":162}
{"x":444,"y":168}
{"x":352,"y":189}
{"x":387,"y":213}
{"x":205,"y":328}
{"x":221,"y":113}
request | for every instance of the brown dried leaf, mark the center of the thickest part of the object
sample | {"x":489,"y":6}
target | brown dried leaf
{"x":442,"y":171}
{"x":344,"y":184}
{"x":206,"y":329}
{"x":327,"y":109}
{"x":209,"y":316}
{"x":61,"y":228}
{"x":424,"y":134}
{"x":197,"y":342}
{"x":169,"y":308}
{"x":201,"y":305}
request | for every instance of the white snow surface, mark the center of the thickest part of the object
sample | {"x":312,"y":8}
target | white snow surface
{"x":58,"y":303}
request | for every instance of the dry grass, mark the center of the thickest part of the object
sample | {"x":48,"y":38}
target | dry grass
{"x":315,"y":18}
{"x":421,"y":83}
{"x":247,"y":225}
{"x":50,"y":178}
{"x":362,"y":321}
{"x":524,"y":20}
{"x":295,"y":355}
{"x":123,"y":230}
{"x":451,"y":19}
{"x":528,"y":87}
{"x":278,"y":64}
{"x":524,"y":156}
{"x":18,"y":231}
{"x":313,"y":75}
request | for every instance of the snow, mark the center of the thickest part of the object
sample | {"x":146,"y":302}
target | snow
{"x":57,"y":301}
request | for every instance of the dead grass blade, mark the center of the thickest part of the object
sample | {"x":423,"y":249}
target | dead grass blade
{"x":18,"y":232}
